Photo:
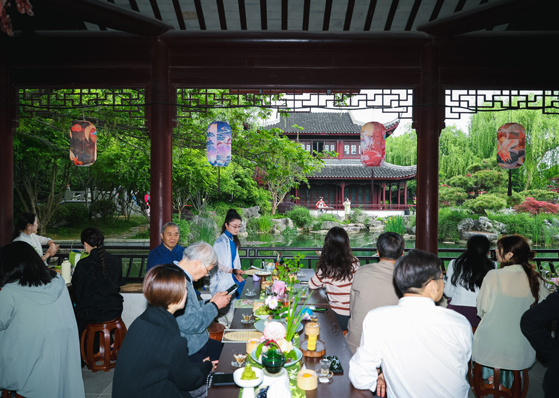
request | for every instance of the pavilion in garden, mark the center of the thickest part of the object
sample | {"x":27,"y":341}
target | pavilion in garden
{"x":420,"y":54}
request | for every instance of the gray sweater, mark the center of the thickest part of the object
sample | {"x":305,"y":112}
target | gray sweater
{"x":194,"y":319}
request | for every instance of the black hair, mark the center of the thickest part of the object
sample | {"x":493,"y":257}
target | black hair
{"x":336,"y":260}
{"x":472,"y":265}
{"x":22,"y":221}
{"x":94,"y":238}
{"x":413,"y":271}
{"x":231,"y":216}
{"x":20,"y":263}
{"x":390,"y":245}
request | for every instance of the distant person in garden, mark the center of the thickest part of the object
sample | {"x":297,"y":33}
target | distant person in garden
{"x":25,"y":230}
{"x":169,"y":250}
{"x":320,"y":205}
{"x":347,"y":208}
{"x":39,"y":346}
{"x":533,"y":325}
{"x":197,"y":315}
{"x":424,"y":349}
{"x":373,"y":285}
{"x":153,"y":360}
{"x":505,"y":295}
{"x":228,"y":271}
{"x":464,"y":277}
{"x":335,"y":271}
{"x":96,"y":282}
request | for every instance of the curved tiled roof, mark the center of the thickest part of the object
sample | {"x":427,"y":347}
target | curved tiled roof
{"x":358,"y":171}
{"x":323,"y":123}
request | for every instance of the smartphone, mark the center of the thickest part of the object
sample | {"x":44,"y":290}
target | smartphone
{"x":232,"y":289}
{"x":223,"y":379}
{"x":335,"y":366}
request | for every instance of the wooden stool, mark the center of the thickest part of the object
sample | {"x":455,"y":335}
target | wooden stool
{"x":107,"y":352}
{"x":482,"y":389}
{"x":8,"y":394}
{"x":216,"y":331}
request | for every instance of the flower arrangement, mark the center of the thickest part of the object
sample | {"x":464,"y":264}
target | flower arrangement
{"x":274,"y":338}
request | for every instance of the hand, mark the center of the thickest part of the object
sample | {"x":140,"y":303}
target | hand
{"x":214,"y":363}
{"x":52,"y":249}
{"x":221,"y":299}
{"x":239,"y":278}
{"x":381,"y":386}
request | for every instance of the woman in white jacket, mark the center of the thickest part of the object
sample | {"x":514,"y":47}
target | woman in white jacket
{"x":229,"y":269}
{"x":25,"y":230}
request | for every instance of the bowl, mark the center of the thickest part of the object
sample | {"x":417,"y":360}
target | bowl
{"x":248,"y":385}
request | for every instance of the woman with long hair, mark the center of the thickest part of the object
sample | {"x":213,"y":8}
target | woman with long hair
{"x":505,"y":295}
{"x":25,"y":230}
{"x":465,"y":275}
{"x":153,"y":360}
{"x":39,"y":347}
{"x":334,"y":271}
{"x":96,"y":282}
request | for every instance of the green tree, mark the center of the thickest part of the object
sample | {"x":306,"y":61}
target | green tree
{"x":402,"y":150}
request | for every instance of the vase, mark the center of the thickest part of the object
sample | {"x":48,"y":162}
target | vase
{"x":273,"y":361}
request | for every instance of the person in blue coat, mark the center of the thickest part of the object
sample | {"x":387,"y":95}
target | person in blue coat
{"x":169,"y":250}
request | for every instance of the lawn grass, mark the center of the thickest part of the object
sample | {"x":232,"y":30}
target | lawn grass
{"x":110,"y":228}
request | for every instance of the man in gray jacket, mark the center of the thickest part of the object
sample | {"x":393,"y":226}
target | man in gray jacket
{"x":373,"y":285}
{"x":197,"y":315}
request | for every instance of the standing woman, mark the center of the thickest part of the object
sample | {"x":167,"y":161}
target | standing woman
{"x":505,"y":295}
{"x":229,"y":269}
{"x":96,"y":282}
{"x":39,"y":347}
{"x":25,"y":230}
{"x":465,"y":275}
{"x":334,"y":271}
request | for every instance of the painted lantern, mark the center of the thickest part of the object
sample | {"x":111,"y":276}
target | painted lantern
{"x":218,"y":144}
{"x":511,"y":145}
{"x":372,"y":149}
{"x":83,"y":143}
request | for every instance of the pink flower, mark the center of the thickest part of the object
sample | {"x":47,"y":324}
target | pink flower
{"x":271,"y":302}
{"x":555,"y":281}
{"x":274,"y":331}
{"x":279,"y":288}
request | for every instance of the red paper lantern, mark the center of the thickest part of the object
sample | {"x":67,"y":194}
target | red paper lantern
{"x":511,"y":145}
{"x":372,"y":149}
{"x":83,"y":143}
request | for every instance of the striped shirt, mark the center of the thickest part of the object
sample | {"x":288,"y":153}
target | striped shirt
{"x":337,"y":291}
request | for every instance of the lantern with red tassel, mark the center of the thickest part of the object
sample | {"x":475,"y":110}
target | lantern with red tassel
{"x":372,"y":149}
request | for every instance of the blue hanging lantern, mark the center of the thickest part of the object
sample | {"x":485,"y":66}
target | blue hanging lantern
{"x":218,"y":144}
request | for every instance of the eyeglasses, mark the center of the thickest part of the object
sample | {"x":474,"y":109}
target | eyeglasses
{"x":235,"y":226}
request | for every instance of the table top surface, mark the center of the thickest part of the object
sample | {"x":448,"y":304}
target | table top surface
{"x":330,"y":334}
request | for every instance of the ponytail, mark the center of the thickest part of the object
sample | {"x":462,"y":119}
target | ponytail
{"x":94,"y":238}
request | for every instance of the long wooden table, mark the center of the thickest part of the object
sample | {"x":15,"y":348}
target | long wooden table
{"x":330,"y":333}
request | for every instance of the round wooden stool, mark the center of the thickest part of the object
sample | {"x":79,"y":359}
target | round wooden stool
{"x":107,"y":352}
{"x":519,"y":387}
{"x":10,"y":394}
{"x":216,"y":331}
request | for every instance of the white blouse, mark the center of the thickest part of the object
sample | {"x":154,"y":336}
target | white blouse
{"x":459,"y":294}
{"x":504,"y":297}
{"x":36,"y":241}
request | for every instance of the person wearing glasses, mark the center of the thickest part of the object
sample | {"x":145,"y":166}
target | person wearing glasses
{"x":414,"y":349}
{"x":228,"y":271}
{"x":198,"y":260}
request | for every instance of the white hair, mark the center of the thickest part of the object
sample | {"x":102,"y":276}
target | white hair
{"x":201,"y":251}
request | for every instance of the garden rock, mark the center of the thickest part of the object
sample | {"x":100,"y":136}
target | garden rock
{"x":500,"y":227}
{"x":465,"y":225}
{"x":351,"y":229}
{"x":483,"y":224}
{"x":243,"y":234}
{"x":251,"y":212}
{"x":491,"y":236}
{"x":329,"y":225}
{"x":320,"y":232}
{"x":409,"y":237}
{"x":282,"y":223}
{"x":360,"y":218}
{"x":378,"y":229}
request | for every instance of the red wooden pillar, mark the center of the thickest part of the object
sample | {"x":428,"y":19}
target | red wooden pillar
{"x":428,"y":123}
{"x":405,"y":192}
{"x":161,"y":142}
{"x":399,"y":193}
{"x":7,"y":118}
{"x":383,"y":195}
{"x":343,"y":195}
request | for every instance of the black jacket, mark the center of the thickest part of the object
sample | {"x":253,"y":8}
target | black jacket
{"x":97,"y":294}
{"x":153,"y":360}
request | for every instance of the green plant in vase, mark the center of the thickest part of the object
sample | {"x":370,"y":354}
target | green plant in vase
{"x":287,"y":272}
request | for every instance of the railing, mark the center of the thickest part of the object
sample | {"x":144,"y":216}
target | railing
{"x":134,"y":264}
{"x":355,"y":206}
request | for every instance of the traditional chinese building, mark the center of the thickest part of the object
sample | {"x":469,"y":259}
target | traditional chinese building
{"x":372,"y":188}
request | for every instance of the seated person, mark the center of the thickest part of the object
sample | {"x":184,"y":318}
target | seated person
{"x":153,"y":360}
{"x":96,"y":282}
{"x":168,"y":251}
{"x":197,"y":315}
{"x":373,"y":285}
{"x":423,"y":349}
{"x":320,"y":205}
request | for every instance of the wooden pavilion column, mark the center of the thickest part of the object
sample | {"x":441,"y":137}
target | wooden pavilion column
{"x":7,"y":117}
{"x":161,"y":142}
{"x":428,"y":122}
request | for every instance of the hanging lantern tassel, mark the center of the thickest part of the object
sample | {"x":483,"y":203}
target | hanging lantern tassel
{"x":372,"y":149}
{"x":83,"y":143}
{"x":511,"y":148}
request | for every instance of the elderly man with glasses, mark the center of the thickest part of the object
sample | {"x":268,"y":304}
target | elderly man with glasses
{"x":198,"y":259}
{"x":422,"y":349}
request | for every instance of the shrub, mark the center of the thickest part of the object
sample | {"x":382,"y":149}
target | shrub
{"x":515,"y":199}
{"x":451,"y":196}
{"x":395,"y":224}
{"x":70,"y":213}
{"x":300,"y":216}
{"x":184,"y":228}
{"x":261,"y":224}
{"x":536,"y":207}
{"x":284,"y":207}
{"x":448,"y":222}
{"x":486,"y":202}
{"x":541,"y":195}
{"x":356,"y":216}
{"x":103,"y":209}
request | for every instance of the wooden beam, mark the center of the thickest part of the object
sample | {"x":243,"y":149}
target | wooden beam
{"x":306,"y":14}
{"x":200,"y":14}
{"x":349,"y":14}
{"x":112,"y":16}
{"x":243,"y":14}
{"x":263,"y":15}
{"x":178,"y":13}
{"x":221,"y":13}
{"x":327,"y":14}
